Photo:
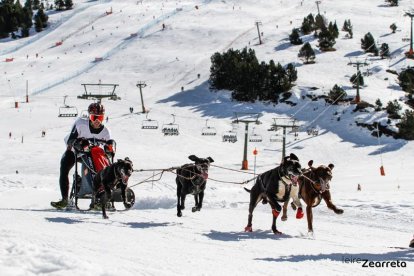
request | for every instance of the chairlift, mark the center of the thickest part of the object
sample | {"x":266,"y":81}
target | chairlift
{"x":275,"y":138}
{"x":149,"y":123}
{"x":295,"y":133}
{"x":273,"y":128}
{"x":171,"y":129}
{"x":229,"y":136}
{"x":255,"y":138}
{"x":66,"y":110}
{"x":294,"y":129}
{"x":313,"y":131}
{"x":208,"y":130}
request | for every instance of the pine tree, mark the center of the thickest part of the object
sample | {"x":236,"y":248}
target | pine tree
{"x":393,"y":108}
{"x":406,"y":125}
{"x":3,"y":32}
{"x":38,"y":23}
{"x":308,"y":24}
{"x":307,"y":54}
{"x":18,"y":12}
{"x":406,"y":80}
{"x":326,"y":40}
{"x":291,"y":74}
{"x":378,"y":105}
{"x":27,"y":21}
{"x":345,"y":27}
{"x":68,"y":4}
{"x":333,"y":29}
{"x":59,"y":4}
{"x":319,"y":22}
{"x":393,"y":28}
{"x":384,"y":50}
{"x":43,"y":17}
{"x":336,"y":94}
{"x":354,"y":80}
{"x":368,"y":44}
{"x":36,"y":4}
{"x":294,"y":37}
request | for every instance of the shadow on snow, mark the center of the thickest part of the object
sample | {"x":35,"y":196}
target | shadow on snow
{"x":237,"y":236}
{"x":401,"y":255}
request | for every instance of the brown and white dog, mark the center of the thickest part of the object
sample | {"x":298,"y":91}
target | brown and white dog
{"x":274,"y":186}
{"x":314,"y":185}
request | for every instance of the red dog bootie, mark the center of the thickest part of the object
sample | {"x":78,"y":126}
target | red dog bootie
{"x":248,"y":229}
{"x":275,"y":213}
{"x":299,"y":213}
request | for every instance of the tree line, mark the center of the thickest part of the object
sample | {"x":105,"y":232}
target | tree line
{"x":17,"y":20}
{"x":248,"y":79}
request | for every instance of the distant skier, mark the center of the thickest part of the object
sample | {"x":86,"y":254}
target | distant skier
{"x":92,"y":128}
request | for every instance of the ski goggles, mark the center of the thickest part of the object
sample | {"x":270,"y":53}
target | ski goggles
{"x":94,"y":117}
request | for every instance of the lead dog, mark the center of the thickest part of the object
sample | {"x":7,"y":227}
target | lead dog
{"x":108,"y":179}
{"x":192,"y":179}
{"x":274,"y":186}
{"x":314,"y":185}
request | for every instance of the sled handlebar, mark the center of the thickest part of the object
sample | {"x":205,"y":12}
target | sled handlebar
{"x":84,"y":144}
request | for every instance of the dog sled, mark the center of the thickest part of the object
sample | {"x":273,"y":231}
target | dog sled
{"x":90,"y":160}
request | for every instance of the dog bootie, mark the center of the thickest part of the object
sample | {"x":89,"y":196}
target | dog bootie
{"x":59,"y":204}
{"x":275,"y":213}
{"x":248,"y":229}
{"x":299,"y":213}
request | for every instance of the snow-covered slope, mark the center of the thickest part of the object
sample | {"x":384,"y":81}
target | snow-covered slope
{"x":150,"y":239}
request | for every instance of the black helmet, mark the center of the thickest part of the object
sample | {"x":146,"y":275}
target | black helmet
{"x":96,"y":108}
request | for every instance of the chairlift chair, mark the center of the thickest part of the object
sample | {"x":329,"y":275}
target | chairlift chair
{"x":275,"y":138}
{"x":229,"y":136}
{"x":66,"y":110}
{"x":295,"y":132}
{"x":171,"y":129}
{"x":149,"y":123}
{"x":208,"y":130}
{"x":313,"y":131}
{"x":255,"y":138}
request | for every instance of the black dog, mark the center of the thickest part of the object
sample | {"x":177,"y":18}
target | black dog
{"x":273,"y":186}
{"x":108,"y":179}
{"x":192,"y":179}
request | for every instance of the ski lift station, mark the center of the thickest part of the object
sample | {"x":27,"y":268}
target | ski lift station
{"x":99,"y":91}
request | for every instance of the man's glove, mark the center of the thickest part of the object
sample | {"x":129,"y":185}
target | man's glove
{"x":110,"y":147}
{"x":82,"y":144}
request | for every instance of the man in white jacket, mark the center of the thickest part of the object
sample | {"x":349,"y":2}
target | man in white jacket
{"x":83,"y":128}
